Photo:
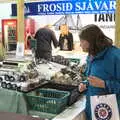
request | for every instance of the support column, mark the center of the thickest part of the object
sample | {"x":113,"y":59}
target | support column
{"x":117,"y":24}
{"x":20,"y":20}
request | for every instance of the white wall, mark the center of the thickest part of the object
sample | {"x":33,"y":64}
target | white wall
{"x":107,"y":26}
{"x":5,"y":11}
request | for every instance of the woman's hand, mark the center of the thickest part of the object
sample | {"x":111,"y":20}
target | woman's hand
{"x":96,"y":82}
{"x":82,"y":87}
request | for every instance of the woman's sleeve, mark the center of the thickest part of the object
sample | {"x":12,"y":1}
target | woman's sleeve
{"x":114,"y":85}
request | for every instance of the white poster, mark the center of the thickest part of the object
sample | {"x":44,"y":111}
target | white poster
{"x":20,"y":49}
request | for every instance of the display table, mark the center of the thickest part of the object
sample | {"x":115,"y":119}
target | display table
{"x":72,"y":55}
{"x":14,"y":116}
{"x":74,"y":112}
{"x":14,"y":101}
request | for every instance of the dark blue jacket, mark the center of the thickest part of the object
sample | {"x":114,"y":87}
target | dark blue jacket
{"x":44,"y":37}
{"x":106,"y":65}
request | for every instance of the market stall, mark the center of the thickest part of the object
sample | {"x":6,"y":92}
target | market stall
{"x":17,"y":102}
{"x":23,"y":93}
{"x":14,"y":101}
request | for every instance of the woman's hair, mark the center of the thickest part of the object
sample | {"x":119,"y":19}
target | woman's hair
{"x":96,"y":38}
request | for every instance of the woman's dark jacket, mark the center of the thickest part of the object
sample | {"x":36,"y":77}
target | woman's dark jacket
{"x":69,"y":38}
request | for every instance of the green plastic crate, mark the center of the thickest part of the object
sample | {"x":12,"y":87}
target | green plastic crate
{"x":48,"y":100}
{"x":74,"y":60}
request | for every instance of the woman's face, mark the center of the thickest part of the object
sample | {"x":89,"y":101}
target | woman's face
{"x":84,"y":44}
{"x":64,"y":29}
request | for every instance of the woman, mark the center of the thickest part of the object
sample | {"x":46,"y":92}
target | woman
{"x":65,"y":38}
{"x":103,"y":65}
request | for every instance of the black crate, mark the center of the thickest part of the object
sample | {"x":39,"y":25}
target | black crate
{"x":74,"y":93}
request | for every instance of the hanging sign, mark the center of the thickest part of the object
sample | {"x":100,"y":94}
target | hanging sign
{"x":68,"y":7}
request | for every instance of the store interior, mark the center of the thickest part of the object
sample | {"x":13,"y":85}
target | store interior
{"x":39,"y":89}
